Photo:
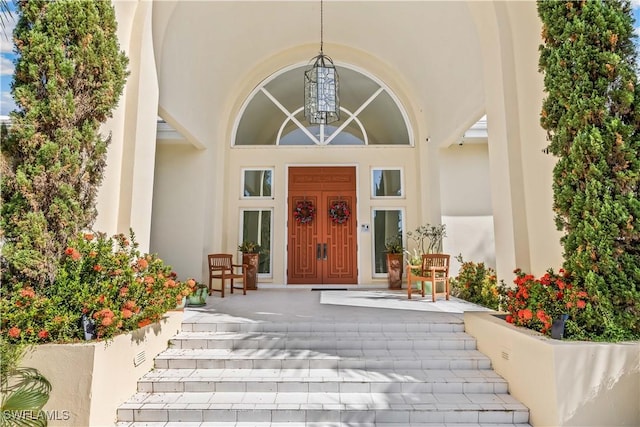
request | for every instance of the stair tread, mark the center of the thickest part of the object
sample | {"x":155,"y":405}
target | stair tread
{"x":390,"y":374}
{"x":315,"y":335}
{"x":344,"y":354}
{"x":306,"y":424}
{"x":323,"y":400}
{"x":319,"y":325}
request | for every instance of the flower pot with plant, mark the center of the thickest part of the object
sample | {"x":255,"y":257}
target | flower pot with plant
{"x":251,"y":256}
{"x":395,"y":253}
{"x":199,"y":296}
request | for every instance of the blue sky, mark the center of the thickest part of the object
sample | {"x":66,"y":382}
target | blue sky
{"x":7,"y":57}
{"x":6,"y":67}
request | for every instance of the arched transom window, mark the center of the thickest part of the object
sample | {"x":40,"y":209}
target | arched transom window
{"x":273,"y":115}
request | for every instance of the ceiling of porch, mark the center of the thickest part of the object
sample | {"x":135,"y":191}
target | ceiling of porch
{"x":206,"y":51}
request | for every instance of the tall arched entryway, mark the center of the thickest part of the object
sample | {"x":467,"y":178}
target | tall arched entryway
{"x":365,"y":160}
{"x":449,"y":62}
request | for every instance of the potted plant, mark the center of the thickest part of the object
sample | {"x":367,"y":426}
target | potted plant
{"x":199,"y":296}
{"x":394,"y":250}
{"x":428,"y":238}
{"x":414,"y":259}
{"x":251,"y":256}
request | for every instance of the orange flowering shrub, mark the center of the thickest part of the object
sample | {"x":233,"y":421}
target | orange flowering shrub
{"x":535,"y":303}
{"x":106,"y":280}
{"x":478,"y":283}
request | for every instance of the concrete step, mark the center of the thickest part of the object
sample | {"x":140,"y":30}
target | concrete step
{"x":322,"y":326}
{"x":321,"y":341}
{"x":407,"y":408}
{"x":322,"y":380}
{"x":306,"y":424}
{"x":222,"y":370}
{"x":336,"y":359}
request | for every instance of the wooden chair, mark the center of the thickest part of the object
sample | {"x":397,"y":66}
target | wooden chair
{"x":435,"y":269}
{"x":222,"y":267}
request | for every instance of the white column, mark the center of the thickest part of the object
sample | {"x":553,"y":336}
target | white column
{"x":520,"y":174}
{"x":125,"y":198}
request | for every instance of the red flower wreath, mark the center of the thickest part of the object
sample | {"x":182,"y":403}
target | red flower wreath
{"x":339,"y":212}
{"x":304,"y":212}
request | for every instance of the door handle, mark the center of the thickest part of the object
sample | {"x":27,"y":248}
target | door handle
{"x":324,"y":256}
{"x":318,"y":251}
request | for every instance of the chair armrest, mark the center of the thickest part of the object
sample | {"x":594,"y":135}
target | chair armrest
{"x":240,"y":265}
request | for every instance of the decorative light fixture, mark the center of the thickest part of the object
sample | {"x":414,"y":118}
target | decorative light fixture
{"x":321,"y":101}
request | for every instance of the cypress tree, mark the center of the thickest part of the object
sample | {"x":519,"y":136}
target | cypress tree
{"x":69,"y":75}
{"x":591,"y":117}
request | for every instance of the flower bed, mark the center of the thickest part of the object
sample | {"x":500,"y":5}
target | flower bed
{"x":90,"y":380}
{"x":104,"y":281}
{"x":563,"y":383}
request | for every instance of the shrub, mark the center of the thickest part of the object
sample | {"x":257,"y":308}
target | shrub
{"x":535,"y":303}
{"x":69,"y":75}
{"x":107,"y":280}
{"x":477,"y":283}
{"x":592,"y":122}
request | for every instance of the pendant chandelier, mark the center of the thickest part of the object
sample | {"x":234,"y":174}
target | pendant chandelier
{"x":321,"y":101}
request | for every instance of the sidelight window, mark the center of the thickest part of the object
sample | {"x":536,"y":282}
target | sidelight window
{"x":387,"y":224}
{"x":257,"y":226}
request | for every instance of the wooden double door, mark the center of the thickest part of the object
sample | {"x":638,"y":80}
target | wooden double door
{"x":322,"y":250}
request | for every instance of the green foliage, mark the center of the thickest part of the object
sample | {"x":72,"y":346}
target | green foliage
{"x":478,"y":283}
{"x":250,"y":247}
{"x":24,"y":391}
{"x":592,"y":120}
{"x":69,"y":76}
{"x":5,"y":17}
{"x":393,"y":245}
{"x":535,"y":303}
{"x":107,"y":279}
{"x":428,"y":238}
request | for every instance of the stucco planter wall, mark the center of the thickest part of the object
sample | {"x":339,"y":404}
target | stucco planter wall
{"x":564,"y":383}
{"x":90,"y":380}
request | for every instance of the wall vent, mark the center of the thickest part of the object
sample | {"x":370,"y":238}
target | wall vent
{"x":505,"y":355}
{"x":140,"y":358}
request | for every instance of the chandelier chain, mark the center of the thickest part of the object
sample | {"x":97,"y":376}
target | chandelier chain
{"x":321,"y":25}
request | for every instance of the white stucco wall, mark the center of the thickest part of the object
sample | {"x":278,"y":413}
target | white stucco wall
{"x":179,"y":216}
{"x":563,"y":383}
{"x":125,"y":197}
{"x":91,"y":380}
{"x":465,"y":191}
{"x":465,"y":186}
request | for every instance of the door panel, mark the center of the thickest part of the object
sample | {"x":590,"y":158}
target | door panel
{"x":341,"y":260}
{"x":321,"y":251}
{"x":303,"y":265}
